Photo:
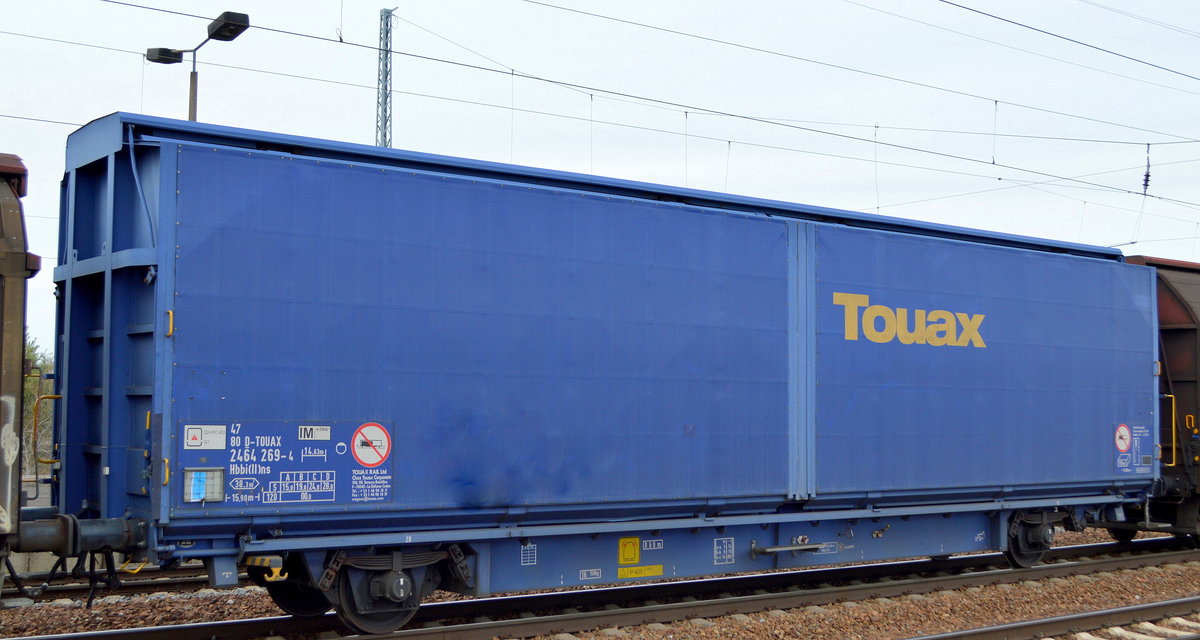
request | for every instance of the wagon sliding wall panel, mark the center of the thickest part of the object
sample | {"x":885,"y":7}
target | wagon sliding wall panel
{"x":959,"y":369}
{"x":390,"y":340}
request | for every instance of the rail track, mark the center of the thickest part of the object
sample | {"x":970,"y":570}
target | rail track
{"x":1132,"y":619}
{"x":537,"y":614}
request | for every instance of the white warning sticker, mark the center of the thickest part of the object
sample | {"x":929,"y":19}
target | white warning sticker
{"x":204,"y":436}
{"x":528,"y":555}
{"x":723,"y":551}
{"x":302,"y":486}
{"x":314,"y":432}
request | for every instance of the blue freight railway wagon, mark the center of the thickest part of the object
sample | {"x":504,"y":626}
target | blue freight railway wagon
{"x":367,"y":373}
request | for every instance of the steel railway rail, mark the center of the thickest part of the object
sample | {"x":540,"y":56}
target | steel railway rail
{"x":544,"y":613}
{"x":1083,"y":622}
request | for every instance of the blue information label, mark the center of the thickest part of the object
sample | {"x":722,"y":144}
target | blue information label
{"x":281,"y":465}
{"x":1134,"y":449}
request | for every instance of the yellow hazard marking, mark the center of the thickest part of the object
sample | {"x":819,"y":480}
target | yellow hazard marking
{"x":263,"y":561}
{"x":647,"y":571}
{"x":629,"y":551}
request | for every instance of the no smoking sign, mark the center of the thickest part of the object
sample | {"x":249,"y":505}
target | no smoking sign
{"x":371,"y":444}
{"x":1123,"y":438}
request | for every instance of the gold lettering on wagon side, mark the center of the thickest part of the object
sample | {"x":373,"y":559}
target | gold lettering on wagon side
{"x":936,"y":328}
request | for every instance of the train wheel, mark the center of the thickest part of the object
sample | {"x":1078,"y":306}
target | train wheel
{"x":1027,"y":543}
{"x":295,"y":598}
{"x":298,"y":599}
{"x":1023,"y":559}
{"x":376,"y":601}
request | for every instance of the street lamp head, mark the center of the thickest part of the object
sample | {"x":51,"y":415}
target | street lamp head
{"x":228,"y":26}
{"x":164,"y":56}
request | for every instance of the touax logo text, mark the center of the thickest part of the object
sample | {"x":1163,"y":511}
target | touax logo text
{"x":910,"y":326}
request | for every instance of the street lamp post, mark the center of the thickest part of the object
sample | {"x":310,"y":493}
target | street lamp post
{"x":226,"y":27}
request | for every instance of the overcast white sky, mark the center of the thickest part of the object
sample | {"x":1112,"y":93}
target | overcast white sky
{"x":992,"y":87}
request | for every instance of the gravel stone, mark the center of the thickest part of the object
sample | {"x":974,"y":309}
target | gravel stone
{"x":703,"y":622}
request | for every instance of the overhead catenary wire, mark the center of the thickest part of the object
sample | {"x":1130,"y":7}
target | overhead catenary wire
{"x":1134,"y":16}
{"x":876,"y":125}
{"x":682,"y":33}
{"x":537,"y":112}
{"x":1025,"y":51}
{"x":1133,"y":242}
{"x":1051,"y":183}
{"x":680,"y":105}
{"x":831,"y":65}
{"x":46,"y":120}
{"x":1072,"y":40}
{"x":1012,"y":184}
{"x":1105,"y":187}
{"x":996,"y":134}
